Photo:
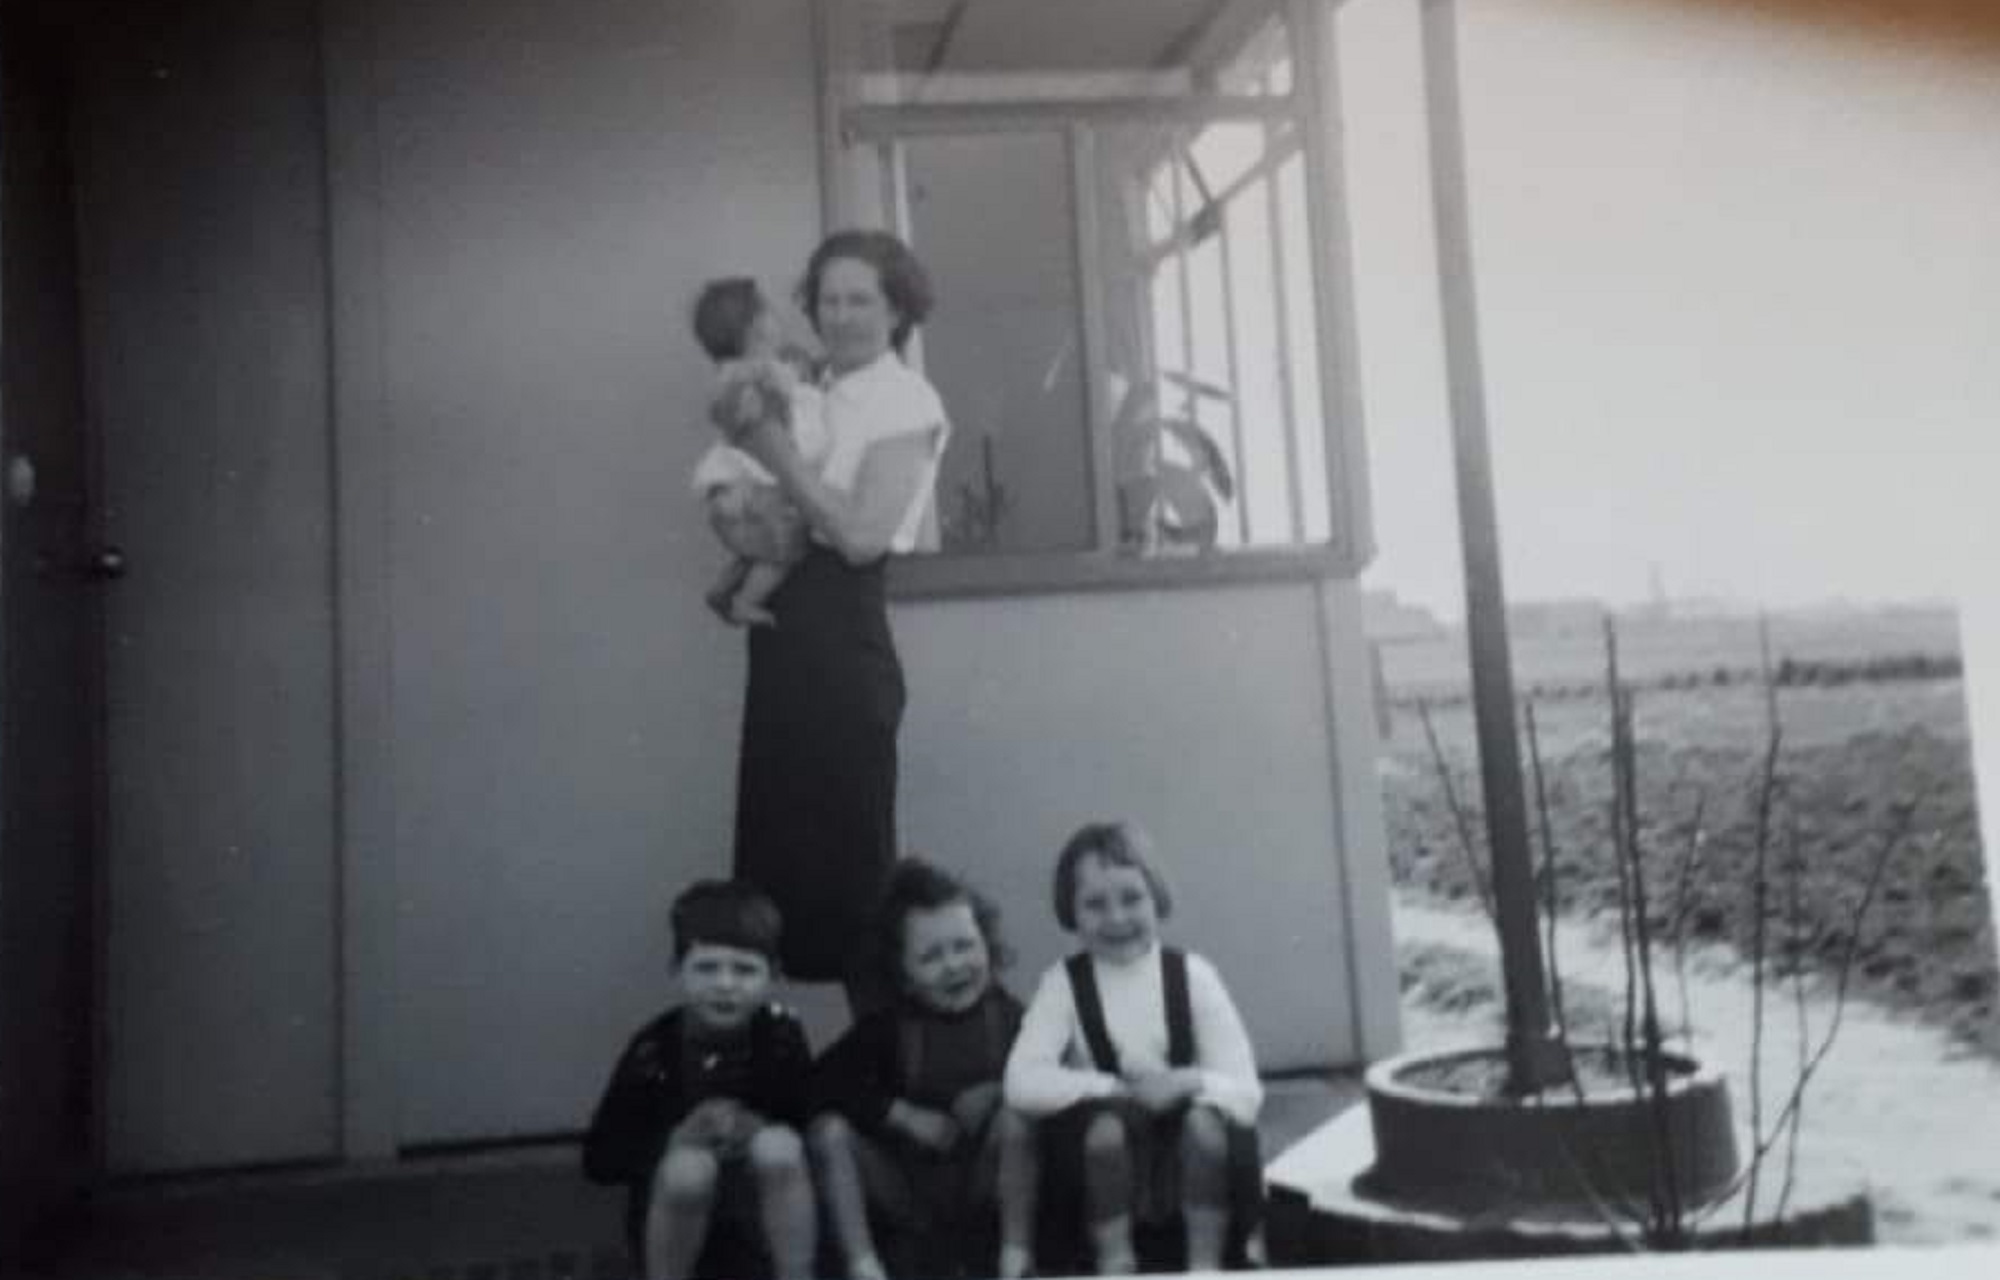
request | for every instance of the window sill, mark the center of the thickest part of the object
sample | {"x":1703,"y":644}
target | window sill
{"x":946,"y":577}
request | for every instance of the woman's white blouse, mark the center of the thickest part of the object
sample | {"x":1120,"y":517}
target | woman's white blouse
{"x":878,"y":402}
{"x":1050,"y":1067}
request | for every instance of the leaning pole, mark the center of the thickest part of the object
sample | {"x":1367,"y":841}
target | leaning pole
{"x":1534,"y":1056}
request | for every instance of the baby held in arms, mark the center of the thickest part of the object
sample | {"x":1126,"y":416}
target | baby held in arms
{"x":757,"y":379}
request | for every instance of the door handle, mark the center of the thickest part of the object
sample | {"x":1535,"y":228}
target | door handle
{"x":106,"y":564}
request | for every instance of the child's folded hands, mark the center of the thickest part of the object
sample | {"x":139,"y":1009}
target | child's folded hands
{"x":973,"y":1108}
{"x":932,"y":1130}
{"x":1162,"y":1090}
{"x":724,"y":1122}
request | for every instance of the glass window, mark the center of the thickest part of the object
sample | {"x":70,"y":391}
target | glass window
{"x":1207,"y":312}
{"x":1111,"y":196}
{"x":1005,"y":347}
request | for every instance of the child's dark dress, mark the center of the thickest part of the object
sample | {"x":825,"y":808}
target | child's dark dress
{"x":928,"y":1059}
{"x":666,"y":1071}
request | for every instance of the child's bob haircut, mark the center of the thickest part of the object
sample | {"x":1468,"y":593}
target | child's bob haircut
{"x":918,"y":885}
{"x":726,"y":913}
{"x":723,"y":315}
{"x":1118,"y":844}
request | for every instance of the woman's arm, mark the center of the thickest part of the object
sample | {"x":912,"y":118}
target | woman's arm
{"x":1037,"y":1082}
{"x":861,"y":524}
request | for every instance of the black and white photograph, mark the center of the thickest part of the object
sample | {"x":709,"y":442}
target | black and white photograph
{"x":942,"y":639}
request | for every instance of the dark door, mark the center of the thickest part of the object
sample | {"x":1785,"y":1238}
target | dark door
{"x":48,"y":656}
{"x":202,"y":217}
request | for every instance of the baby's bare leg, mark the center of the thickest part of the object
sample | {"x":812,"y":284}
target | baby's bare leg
{"x":756,"y":522}
{"x":761,"y":578}
{"x":721,"y":594}
{"x":785,"y":1200}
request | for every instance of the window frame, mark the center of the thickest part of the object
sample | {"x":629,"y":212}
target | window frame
{"x":858,"y":152}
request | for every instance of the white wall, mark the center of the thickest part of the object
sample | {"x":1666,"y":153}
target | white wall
{"x":555,"y":182}
{"x":1199,"y":713}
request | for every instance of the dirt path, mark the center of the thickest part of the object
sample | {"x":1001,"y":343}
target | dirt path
{"x":1913,"y":1111}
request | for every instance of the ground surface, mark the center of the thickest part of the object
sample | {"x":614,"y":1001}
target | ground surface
{"x":1904,"y":1104}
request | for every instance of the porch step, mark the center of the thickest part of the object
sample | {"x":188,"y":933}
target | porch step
{"x":525,"y":1214}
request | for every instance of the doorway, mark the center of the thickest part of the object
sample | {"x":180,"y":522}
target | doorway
{"x":200,"y":213}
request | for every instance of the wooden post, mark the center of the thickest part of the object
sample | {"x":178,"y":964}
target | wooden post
{"x":1534,"y":1056}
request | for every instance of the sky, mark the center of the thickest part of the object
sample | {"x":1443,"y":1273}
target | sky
{"x":1739,"y":287}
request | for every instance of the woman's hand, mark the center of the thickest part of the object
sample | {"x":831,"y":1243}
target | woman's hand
{"x":932,"y":1130}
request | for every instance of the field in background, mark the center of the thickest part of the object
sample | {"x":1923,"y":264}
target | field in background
{"x":1851,"y":754}
{"x":1568,"y":654}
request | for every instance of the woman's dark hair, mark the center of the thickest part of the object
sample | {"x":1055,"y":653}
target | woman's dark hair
{"x":904,"y":281}
{"x":1117,"y":844}
{"x":917,"y":885}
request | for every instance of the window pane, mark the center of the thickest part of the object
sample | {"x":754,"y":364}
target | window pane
{"x":1004,"y":346}
{"x":1027,"y":50}
{"x":1211,"y":356}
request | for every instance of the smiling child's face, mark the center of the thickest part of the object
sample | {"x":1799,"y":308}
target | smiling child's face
{"x":946,"y":964}
{"x":1116,"y":917}
{"x":722,"y":985}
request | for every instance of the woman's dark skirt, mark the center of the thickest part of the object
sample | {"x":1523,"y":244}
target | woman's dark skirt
{"x":816,"y":781}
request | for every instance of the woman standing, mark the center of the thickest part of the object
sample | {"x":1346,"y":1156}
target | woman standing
{"x":816,"y":783}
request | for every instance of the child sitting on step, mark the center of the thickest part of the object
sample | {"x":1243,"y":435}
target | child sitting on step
{"x":1135,"y":1059}
{"x":912,"y":1131}
{"x":701,"y":1118}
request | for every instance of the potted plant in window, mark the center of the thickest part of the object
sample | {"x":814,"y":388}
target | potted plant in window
{"x":1173,"y":479}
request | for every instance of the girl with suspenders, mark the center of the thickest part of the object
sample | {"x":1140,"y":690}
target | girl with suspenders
{"x":1135,"y":1060}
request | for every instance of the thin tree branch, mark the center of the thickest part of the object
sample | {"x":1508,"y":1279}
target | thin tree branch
{"x":1461,"y":820}
{"x":1795,"y":930}
{"x":1548,"y":881}
{"x":1902,"y":818}
{"x":1681,"y":910}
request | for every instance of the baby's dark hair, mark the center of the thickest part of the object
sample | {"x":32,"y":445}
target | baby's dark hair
{"x":918,"y":885}
{"x":723,"y":315}
{"x":726,"y":913}
{"x":1119,"y":844}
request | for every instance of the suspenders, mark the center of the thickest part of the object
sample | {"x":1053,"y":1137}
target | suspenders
{"x":1090,"y":1010}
